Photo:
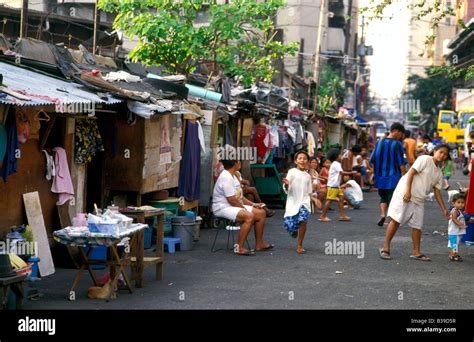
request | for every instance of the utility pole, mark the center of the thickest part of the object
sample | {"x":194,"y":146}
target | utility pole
{"x":94,"y":44}
{"x":318,"y":43}
{"x":316,"y":70}
{"x":24,"y":19}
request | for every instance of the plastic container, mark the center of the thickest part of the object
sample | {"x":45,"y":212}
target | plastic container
{"x":171,"y":205}
{"x":98,"y":253}
{"x":468,"y":238}
{"x":104,"y":228}
{"x":183,"y":228}
{"x":34,"y":269}
{"x":147,"y":237}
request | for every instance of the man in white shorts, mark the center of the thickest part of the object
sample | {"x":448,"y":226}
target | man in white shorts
{"x":228,"y":202}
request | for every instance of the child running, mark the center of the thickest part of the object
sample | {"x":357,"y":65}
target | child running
{"x":408,"y":201}
{"x":334,"y":192}
{"x":299,"y":186}
{"x":456,"y":227}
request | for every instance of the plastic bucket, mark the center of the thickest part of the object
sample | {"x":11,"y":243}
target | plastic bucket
{"x":147,"y":237}
{"x":171,"y":205}
{"x":185,"y":232}
{"x":469,"y":236}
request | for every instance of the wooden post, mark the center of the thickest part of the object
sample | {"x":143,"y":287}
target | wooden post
{"x":94,"y":45}
{"x":24,"y":19}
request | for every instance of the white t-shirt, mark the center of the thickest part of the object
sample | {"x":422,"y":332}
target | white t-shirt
{"x":428,"y":177}
{"x":453,"y":229}
{"x":354,"y":190}
{"x":226,"y":186}
{"x":334,"y":178}
{"x":299,"y":190}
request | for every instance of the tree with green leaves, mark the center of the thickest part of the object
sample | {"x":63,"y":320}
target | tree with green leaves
{"x":239,"y":39}
{"x":433,"y":91}
{"x":330,"y":90}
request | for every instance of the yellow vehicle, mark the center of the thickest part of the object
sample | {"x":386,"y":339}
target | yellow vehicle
{"x":448,"y":127}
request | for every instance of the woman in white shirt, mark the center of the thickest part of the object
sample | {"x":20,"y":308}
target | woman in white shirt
{"x":228,"y":202}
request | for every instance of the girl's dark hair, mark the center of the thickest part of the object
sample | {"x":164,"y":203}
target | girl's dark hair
{"x":356,"y":149}
{"x":228,"y":164}
{"x":440,"y":146}
{"x":321,"y":161}
{"x":458,"y":196}
{"x":302,"y":152}
{"x":332,"y":154}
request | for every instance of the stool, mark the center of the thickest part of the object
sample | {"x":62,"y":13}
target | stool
{"x":15,"y":283}
{"x":171,"y":243}
{"x":231,"y":227}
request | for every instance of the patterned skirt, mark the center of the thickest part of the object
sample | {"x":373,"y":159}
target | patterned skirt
{"x":292,"y":223}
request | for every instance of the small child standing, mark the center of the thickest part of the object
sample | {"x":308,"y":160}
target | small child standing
{"x":447,"y":172}
{"x":334,"y":192}
{"x":457,"y":227}
{"x":352,"y":192}
{"x":298,"y":203}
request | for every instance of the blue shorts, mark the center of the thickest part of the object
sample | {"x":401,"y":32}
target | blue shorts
{"x":292,"y":223}
{"x":453,"y":242}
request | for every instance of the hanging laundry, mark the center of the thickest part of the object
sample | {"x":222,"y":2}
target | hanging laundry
{"x":201,"y":138}
{"x":22,"y":126}
{"x":189,"y":173}
{"x":62,"y":183}
{"x":262,"y":140}
{"x":311,"y":143}
{"x":274,"y":136}
{"x":50,"y":166}
{"x":87,"y":141}
{"x":12,"y":147}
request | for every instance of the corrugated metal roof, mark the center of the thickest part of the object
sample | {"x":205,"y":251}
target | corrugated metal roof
{"x":45,"y":90}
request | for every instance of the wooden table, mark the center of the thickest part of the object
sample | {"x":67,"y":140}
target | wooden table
{"x":138,"y":260}
{"x":15,"y":283}
{"x":116,"y":262}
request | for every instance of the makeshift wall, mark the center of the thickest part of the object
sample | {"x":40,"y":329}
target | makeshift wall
{"x":207,"y":164}
{"x":30,"y":176}
{"x":334,"y":133}
{"x":139,"y":165}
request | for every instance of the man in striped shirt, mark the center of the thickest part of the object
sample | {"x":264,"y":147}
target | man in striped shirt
{"x":389,"y":165}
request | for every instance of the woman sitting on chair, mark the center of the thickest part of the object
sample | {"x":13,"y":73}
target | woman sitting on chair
{"x":228,"y":202}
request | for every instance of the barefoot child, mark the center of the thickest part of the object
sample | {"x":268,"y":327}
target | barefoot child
{"x":408,"y":200}
{"x":334,"y":192}
{"x":299,"y":187}
{"x":456,"y":227}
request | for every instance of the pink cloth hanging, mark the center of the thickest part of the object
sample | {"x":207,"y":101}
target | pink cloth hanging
{"x":62,"y":183}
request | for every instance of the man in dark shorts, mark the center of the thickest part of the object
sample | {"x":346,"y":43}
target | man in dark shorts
{"x":388,"y":163}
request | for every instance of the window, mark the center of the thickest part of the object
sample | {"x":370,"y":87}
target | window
{"x":447,"y":118}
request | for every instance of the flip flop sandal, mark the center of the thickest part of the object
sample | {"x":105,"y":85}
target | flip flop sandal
{"x":384,"y":254}
{"x":381,"y":222}
{"x":455,"y":257}
{"x":303,"y":251}
{"x":345,"y":219}
{"x":325,"y":220}
{"x":420,"y":257}
{"x":248,"y":253}
{"x":269,"y":247}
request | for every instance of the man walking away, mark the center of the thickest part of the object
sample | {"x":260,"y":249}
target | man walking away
{"x":389,"y":166}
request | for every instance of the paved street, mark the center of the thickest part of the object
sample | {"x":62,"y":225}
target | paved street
{"x":282,"y":279}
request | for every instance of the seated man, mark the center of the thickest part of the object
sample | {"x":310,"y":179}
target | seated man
{"x":228,"y":202}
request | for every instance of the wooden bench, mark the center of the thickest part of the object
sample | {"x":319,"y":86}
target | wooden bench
{"x":14,"y":283}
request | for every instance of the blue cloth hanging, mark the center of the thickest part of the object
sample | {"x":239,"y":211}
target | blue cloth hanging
{"x":10,"y":160}
{"x":189,"y":173}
